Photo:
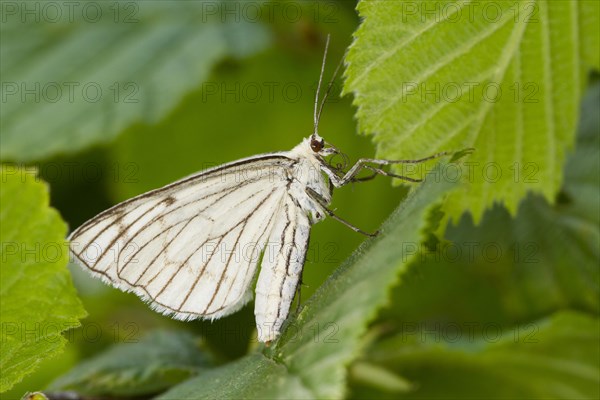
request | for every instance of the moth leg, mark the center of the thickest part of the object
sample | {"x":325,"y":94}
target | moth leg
{"x":363,"y":163}
{"x":379,"y":171}
{"x":315,"y":196}
{"x":376,"y":171}
{"x":330,"y":186}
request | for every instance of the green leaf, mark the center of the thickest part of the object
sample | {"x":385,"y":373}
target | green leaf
{"x":81,"y":78}
{"x":253,"y":376}
{"x":34,"y":396}
{"x":492,"y":281}
{"x":310,"y":358}
{"x":556,"y":357}
{"x":158,"y":361}
{"x":38,"y":299}
{"x":502,"y":77}
{"x":505,"y":270}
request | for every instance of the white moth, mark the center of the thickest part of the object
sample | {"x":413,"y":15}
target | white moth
{"x":191,"y":248}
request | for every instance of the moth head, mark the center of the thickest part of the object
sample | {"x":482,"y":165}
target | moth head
{"x":317,"y":143}
{"x":319,"y":146}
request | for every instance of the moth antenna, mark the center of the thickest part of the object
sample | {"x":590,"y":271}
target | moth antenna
{"x":316,"y":119}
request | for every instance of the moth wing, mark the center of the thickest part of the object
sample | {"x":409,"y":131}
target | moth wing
{"x":281,"y":269}
{"x":190,"y":248}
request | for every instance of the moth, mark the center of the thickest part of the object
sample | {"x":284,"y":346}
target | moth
{"x":191,"y":248}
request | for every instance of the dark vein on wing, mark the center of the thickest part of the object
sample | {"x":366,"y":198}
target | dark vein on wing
{"x":244,"y":221}
{"x":165,"y":247}
{"x":203,"y":267}
{"x":246,"y":274}
{"x":122,"y":231}
{"x":178,"y":269}
{"x":287,"y":260}
{"x":218,"y":288}
{"x":89,"y":225}
{"x":299,"y":281}
{"x":163,"y":215}
{"x":117,"y":209}
{"x":92,"y":269}
{"x":233,"y":282}
{"x":224,"y":270}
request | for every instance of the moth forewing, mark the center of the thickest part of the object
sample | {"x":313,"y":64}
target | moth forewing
{"x":184,"y":241}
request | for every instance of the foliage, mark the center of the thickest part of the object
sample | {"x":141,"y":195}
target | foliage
{"x":156,"y":362}
{"x":128,"y":63}
{"x":216,"y":82}
{"x":493,"y":76}
{"x":556,"y":357}
{"x":38,"y":299}
{"x":492,"y":300}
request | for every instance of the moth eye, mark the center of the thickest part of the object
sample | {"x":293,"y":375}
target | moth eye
{"x":317,"y":145}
